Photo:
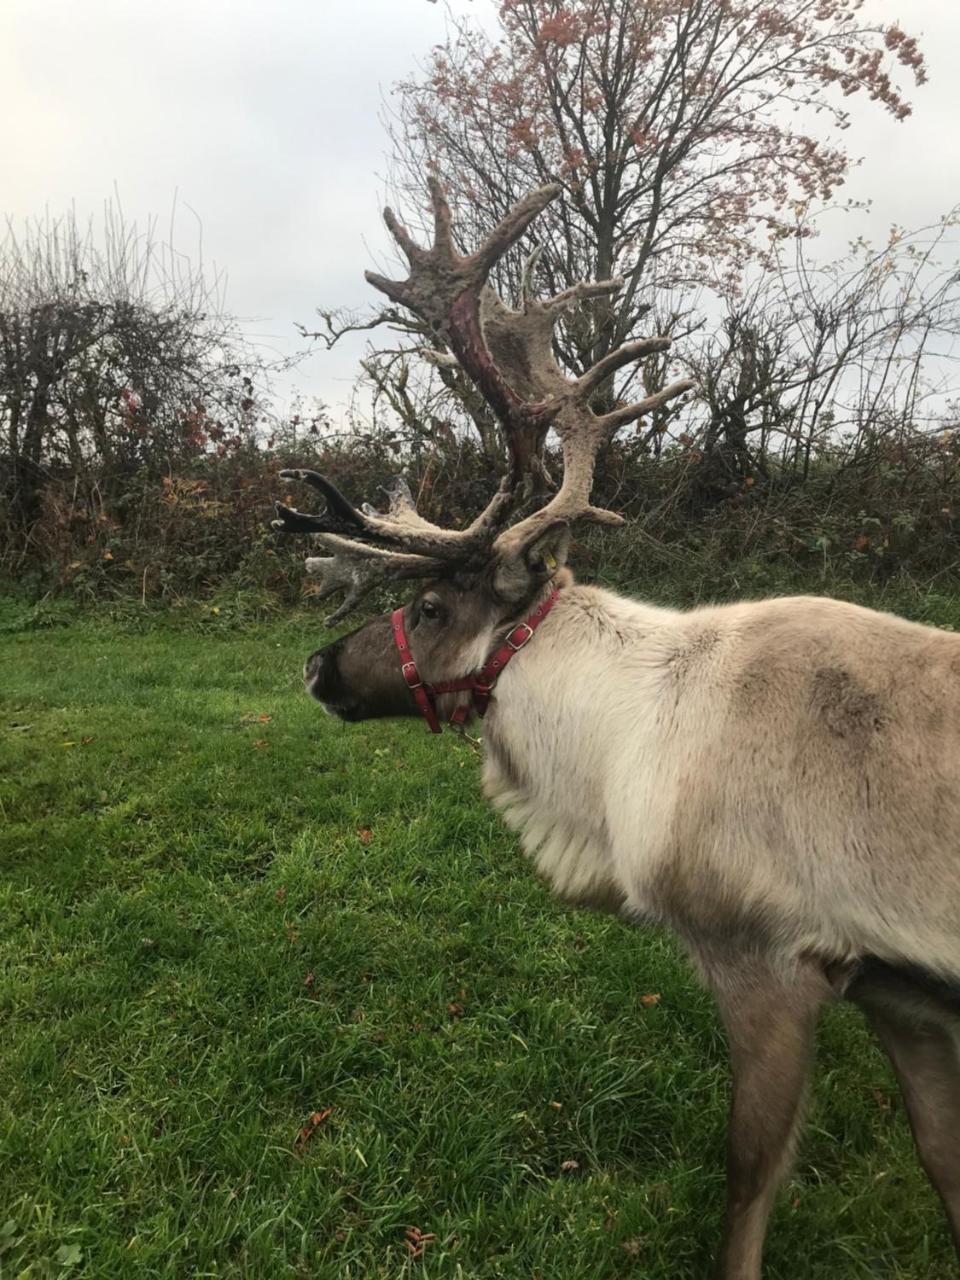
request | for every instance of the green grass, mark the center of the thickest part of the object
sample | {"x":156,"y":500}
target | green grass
{"x":204,"y":941}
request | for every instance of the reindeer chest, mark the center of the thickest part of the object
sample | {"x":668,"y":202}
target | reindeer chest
{"x":573,"y":817}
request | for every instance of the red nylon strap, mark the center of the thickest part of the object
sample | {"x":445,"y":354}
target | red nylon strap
{"x":481,"y":684}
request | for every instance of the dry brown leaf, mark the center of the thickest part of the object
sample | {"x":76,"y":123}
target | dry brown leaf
{"x":314,"y":1121}
{"x":417,"y":1240}
{"x":651,"y":998}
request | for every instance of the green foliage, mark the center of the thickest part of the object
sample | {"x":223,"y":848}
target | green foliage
{"x":885,"y":512}
{"x":222,"y":913}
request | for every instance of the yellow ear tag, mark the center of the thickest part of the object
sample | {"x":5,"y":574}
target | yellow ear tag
{"x":551,"y":562}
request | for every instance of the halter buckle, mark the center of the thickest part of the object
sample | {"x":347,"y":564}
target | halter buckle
{"x":515,"y":645}
{"x":412,"y":679}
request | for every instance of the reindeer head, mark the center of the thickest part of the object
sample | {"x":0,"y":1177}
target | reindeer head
{"x":479,"y":580}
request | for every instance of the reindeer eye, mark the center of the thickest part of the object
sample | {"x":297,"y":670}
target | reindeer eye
{"x":430,"y":611}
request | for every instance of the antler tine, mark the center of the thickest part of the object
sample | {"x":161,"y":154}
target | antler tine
{"x":512,"y":226}
{"x":356,"y":569}
{"x":442,"y":220}
{"x":401,"y":528}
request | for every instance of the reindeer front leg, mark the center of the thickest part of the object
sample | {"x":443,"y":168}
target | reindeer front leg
{"x":770,"y":1018}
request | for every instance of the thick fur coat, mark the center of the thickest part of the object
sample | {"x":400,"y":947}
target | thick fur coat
{"x":782,"y":775}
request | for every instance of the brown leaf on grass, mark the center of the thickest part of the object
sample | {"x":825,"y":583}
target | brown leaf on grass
{"x":309,"y":980}
{"x":455,"y":1009}
{"x":255,"y":717}
{"x":85,"y":742}
{"x":569,"y":1166}
{"x":417,"y":1240}
{"x":365,"y":834}
{"x":633,"y":1246}
{"x":280,"y":894}
{"x":260,"y":743}
{"x":314,"y":1121}
{"x":651,"y":998}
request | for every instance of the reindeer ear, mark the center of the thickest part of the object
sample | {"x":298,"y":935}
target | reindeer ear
{"x":533,"y":563}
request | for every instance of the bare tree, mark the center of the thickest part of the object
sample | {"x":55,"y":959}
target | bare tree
{"x":115,"y":353}
{"x":813,"y":358}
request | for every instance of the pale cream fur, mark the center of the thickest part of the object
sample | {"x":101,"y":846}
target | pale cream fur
{"x":790,"y":767}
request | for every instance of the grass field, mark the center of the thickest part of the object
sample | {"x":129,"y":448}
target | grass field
{"x":275,"y":991}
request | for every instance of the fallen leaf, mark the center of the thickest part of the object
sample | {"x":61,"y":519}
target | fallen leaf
{"x":633,"y":1246}
{"x":417,"y":1240}
{"x":314,"y":1121}
{"x":569,"y":1166}
{"x":260,"y":743}
{"x":365,"y":834}
{"x":309,"y":980}
{"x":651,"y":998}
{"x":85,"y":742}
{"x":455,"y":1009}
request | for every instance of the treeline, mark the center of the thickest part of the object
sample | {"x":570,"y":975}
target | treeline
{"x":139,"y":457}
{"x":189,"y":519}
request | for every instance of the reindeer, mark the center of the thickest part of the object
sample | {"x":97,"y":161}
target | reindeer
{"x":776,"y":781}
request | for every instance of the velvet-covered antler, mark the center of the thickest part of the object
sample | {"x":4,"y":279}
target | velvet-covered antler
{"x":509,"y":355}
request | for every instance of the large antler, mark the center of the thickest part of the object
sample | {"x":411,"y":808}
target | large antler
{"x":509,"y":356}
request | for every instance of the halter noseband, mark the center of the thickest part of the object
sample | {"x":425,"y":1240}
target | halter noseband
{"x":481,"y":684}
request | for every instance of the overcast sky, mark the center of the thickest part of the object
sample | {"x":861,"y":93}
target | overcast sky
{"x":264,"y":119}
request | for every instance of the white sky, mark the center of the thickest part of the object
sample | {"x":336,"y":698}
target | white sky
{"x":263,"y":118}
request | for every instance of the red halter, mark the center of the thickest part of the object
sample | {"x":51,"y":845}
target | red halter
{"x":481,"y":684}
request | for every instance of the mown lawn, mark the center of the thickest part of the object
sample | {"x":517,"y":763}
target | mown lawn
{"x":276,"y":990}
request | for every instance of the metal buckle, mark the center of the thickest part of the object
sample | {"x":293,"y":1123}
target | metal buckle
{"x":411,"y":666}
{"x":520,"y":643}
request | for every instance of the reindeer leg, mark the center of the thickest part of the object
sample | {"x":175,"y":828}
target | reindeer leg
{"x":917,"y":1021}
{"x":770,"y":1017}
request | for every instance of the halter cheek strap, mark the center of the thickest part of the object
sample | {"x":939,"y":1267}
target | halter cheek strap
{"x":408,"y":669}
{"x":480,"y":685}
